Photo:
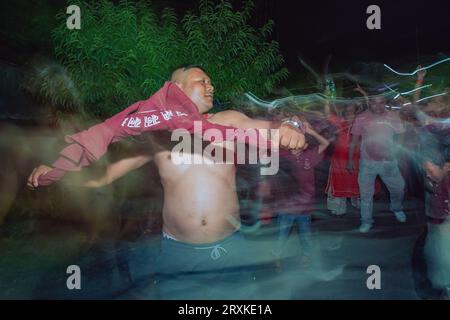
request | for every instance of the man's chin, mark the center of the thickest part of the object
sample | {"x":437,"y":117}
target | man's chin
{"x":205,"y":109}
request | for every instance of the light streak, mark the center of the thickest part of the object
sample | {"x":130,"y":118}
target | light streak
{"x":436,"y":95}
{"x":277,"y":102}
{"x":419,"y":88}
{"x":406,"y":92}
{"x":390,"y":89}
{"x":420,"y":69}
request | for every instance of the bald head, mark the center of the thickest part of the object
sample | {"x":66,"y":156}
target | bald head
{"x":196,"y":84}
{"x":178,"y":75}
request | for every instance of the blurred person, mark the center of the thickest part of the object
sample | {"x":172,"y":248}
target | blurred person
{"x":408,"y":161}
{"x":376,"y":129}
{"x":341,"y":183}
{"x":436,"y":166}
{"x":294,"y":194}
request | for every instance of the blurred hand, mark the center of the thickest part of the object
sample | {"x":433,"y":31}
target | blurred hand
{"x":32,"y":181}
{"x":421,"y":74}
{"x":359,"y":89}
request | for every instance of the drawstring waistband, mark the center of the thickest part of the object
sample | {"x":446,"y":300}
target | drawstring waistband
{"x":168,"y":236}
{"x":215,"y":252}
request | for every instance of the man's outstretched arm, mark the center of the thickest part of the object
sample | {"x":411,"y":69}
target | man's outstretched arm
{"x":152,"y":114}
{"x":113,"y":172}
{"x":117,"y":170}
{"x":289,"y":136}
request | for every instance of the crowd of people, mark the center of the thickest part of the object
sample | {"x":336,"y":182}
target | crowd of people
{"x":378,"y":141}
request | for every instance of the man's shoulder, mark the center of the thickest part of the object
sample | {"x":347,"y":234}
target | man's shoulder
{"x":227,"y":117}
{"x":227,"y":113}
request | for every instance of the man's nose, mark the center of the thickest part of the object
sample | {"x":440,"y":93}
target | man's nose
{"x":210,"y":88}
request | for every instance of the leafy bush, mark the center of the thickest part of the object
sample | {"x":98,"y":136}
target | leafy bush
{"x":124,"y":53}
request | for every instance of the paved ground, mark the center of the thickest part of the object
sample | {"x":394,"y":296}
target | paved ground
{"x":36,"y":253}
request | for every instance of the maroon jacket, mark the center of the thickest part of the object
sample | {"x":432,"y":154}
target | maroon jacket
{"x":168,"y":109}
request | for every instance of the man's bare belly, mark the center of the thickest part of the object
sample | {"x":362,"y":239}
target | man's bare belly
{"x":200,"y":201}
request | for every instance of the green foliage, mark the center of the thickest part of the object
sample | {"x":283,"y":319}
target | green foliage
{"x":124,"y":53}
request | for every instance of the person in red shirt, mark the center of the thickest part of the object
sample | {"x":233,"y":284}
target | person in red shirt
{"x":342,"y":184}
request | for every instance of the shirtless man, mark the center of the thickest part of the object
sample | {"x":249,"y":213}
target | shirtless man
{"x":202,"y":251}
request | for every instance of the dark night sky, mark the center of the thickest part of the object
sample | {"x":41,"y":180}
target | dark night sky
{"x":318,"y":28}
{"x":312,"y":29}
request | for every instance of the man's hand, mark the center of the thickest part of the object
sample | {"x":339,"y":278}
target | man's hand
{"x":32,"y":181}
{"x":291,"y":137}
{"x":360,"y":90}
